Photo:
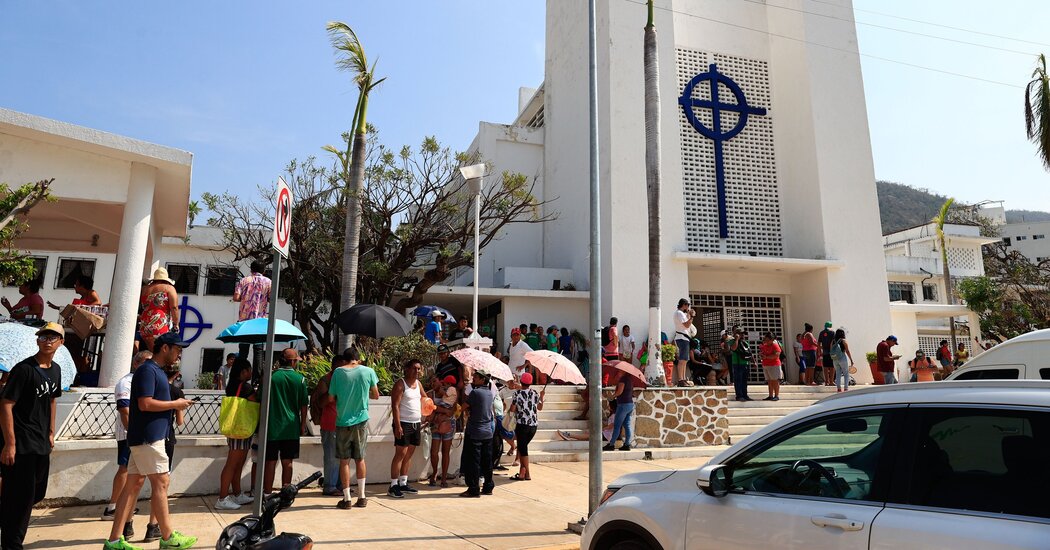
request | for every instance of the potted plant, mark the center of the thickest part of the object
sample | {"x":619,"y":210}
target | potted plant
{"x":668,"y":354}
{"x":873,"y":364}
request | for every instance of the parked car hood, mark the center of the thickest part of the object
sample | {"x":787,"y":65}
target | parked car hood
{"x":641,"y":478}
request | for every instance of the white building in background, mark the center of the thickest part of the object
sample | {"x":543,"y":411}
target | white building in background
{"x":1030,"y":239}
{"x":798,"y":236}
{"x":915,"y":281}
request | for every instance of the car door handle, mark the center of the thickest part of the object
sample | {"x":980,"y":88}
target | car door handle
{"x":837,"y":520}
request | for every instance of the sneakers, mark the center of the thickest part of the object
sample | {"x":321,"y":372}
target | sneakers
{"x":343,"y":505}
{"x":609,"y":447}
{"x":152,"y":532}
{"x":177,"y":540}
{"x":121,"y":544}
{"x":361,"y":502}
{"x":129,"y":530}
{"x":242,"y":499}
{"x":227,"y":503}
{"x":625,"y":448}
{"x":563,"y":435}
{"x":406,"y":488}
{"x":395,"y":492}
{"x":107,"y":514}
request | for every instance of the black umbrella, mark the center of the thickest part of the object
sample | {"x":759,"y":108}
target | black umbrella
{"x":373,"y":320}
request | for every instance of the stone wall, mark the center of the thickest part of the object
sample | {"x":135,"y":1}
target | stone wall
{"x":680,"y":417}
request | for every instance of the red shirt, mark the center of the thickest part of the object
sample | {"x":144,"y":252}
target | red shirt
{"x":772,"y":349}
{"x":884,"y":357}
{"x":328,"y":413}
{"x":809,"y":343}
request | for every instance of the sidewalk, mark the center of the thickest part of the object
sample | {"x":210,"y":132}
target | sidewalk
{"x":520,"y":514}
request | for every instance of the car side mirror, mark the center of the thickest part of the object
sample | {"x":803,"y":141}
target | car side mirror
{"x":714,"y":480}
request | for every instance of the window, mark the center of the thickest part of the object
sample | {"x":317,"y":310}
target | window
{"x":836,"y":457}
{"x":1044,"y":373}
{"x":69,"y":269}
{"x":1006,"y":241}
{"x":902,"y":292}
{"x":929,"y":292}
{"x":1004,"y":373}
{"x":1037,"y":237}
{"x":186,"y":276}
{"x":212,"y":359}
{"x":986,"y":460}
{"x":221,"y":281}
{"x":1021,"y":238}
{"x":1040,"y":259}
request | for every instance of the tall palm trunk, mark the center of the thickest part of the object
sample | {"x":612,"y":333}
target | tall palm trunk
{"x":940,"y":220}
{"x":352,"y":242}
{"x":652,"y":182}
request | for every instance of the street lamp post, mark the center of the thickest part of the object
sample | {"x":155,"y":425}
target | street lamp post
{"x":475,"y":176}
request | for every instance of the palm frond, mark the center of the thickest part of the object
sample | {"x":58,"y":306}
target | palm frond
{"x":350,"y":54}
{"x":1037,"y":110}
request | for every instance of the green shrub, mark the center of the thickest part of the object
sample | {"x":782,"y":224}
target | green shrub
{"x":871,"y":357}
{"x":668,"y":353}
{"x":206,"y":381}
{"x":314,"y":367}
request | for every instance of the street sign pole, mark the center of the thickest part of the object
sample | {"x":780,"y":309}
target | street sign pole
{"x":282,"y":227}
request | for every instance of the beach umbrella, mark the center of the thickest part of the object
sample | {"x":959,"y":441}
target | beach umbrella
{"x":18,"y":341}
{"x":629,"y":369}
{"x":425,"y":311}
{"x":253,"y":331}
{"x":373,"y":320}
{"x":556,"y":366}
{"x":483,"y":362}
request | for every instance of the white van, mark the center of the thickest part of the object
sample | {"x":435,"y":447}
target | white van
{"x":1024,"y":357}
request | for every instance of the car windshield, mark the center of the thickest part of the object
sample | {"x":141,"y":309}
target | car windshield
{"x":834,"y":458}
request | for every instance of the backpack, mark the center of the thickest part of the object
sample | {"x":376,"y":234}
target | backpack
{"x":783,"y":355}
{"x":605,"y":336}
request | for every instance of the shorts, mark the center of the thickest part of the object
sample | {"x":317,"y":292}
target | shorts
{"x":286,"y":449}
{"x":123,"y":452}
{"x":148,"y":459}
{"x":351,"y":441}
{"x":683,"y":349}
{"x":828,"y":361}
{"x":410,"y":435}
{"x":239,"y":444}
{"x":773,"y":373}
{"x":809,"y":359}
{"x":443,"y":437}
{"x":501,"y":431}
{"x":524,"y":434}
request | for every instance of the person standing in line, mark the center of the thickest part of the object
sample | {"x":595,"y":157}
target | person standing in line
{"x":962,"y":355}
{"x":624,"y":398}
{"x":944,"y":357}
{"x":27,"y":426}
{"x":526,"y":408}
{"x":683,"y":320}
{"x":825,"y":339}
{"x":149,"y":422}
{"x":476,"y":457}
{"x":502,"y":398}
{"x":740,"y":359}
{"x":442,"y":427}
{"x":320,"y":400}
{"x":771,"y":366}
{"x":405,"y":407}
{"x":627,"y":345}
{"x":160,"y":308}
{"x":353,"y":384}
{"x":177,"y":419}
{"x":122,"y":396}
{"x":565,"y":343}
{"x":843,"y":358}
{"x":231,"y":497}
{"x":552,"y":338}
{"x":433,"y":329}
{"x":796,"y":349}
{"x":886,"y":361}
{"x":461,"y":330}
{"x":611,"y":341}
{"x":222,"y":376}
{"x":532,"y":338}
{"x":809,"y":354}
{"x":289,"y":400}
{"x":516,"y":353}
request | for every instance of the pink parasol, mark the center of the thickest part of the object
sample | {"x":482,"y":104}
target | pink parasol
{"x":628,"y":369}
{"x":481,"y":361}
{"x":556,"y":366}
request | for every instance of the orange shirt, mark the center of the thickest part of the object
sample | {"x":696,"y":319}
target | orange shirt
{"x":770,"y":349}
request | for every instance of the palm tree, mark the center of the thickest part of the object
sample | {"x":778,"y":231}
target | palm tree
{"x":652,"y":181}
{"x":351,"y":57}
{"x":939,"y":221}
{"x":1037,"y":110}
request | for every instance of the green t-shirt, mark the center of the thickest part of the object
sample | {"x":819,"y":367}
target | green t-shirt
{"x":552,"y":342}
{"x":736,"y":358}
{"x":351,"y":387}
{"x":533,"y":340}
{"x":288,"y":396}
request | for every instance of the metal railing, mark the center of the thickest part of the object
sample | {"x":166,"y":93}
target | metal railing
{"x":94,"y":416}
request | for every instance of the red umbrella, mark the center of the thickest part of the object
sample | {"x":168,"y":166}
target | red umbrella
{"x":626,"y":368}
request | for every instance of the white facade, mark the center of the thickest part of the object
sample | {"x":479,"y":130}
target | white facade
{"x":801,"y":208}
{"x":1030,"y":239}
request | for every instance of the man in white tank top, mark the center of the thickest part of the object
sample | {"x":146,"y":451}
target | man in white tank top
{"x":405,"y":407}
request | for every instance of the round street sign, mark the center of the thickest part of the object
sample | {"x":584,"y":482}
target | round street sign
{"x":282,"y":223}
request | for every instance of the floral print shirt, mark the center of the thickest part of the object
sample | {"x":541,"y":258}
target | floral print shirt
{"x":253,"y":292}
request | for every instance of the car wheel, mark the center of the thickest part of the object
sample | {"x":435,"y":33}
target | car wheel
{"x":630,"y":544}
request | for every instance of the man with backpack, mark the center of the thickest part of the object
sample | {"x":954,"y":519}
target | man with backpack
{"x":740,"y":362}
{"x":825,"y":339}
{"x":611,"y":341}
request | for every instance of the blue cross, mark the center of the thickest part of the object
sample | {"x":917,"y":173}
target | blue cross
{"x":199,"y":324}
{"x":688,"y":103}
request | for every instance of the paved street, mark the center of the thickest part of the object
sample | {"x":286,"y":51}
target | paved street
{"x":530,"y":514}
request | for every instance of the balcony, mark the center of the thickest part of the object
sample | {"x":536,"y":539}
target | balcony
{"x":913,"y":265}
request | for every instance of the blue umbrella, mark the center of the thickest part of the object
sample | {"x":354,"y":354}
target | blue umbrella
{"x":424,"y":311}
{"x":253,"y":331}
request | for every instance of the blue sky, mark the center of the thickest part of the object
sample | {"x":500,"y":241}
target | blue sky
{"x":246,"y":86}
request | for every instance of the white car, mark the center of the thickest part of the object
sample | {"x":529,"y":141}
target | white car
{"x":954,"y":465}
{"x":1023,"y":357}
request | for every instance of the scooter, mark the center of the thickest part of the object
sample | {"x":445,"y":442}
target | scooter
{"x":257,"y":532}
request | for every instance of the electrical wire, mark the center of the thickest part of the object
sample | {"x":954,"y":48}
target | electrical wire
{"x":844,"y":50}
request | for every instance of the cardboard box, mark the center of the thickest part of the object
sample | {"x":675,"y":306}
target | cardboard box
{"x":82,"y":322}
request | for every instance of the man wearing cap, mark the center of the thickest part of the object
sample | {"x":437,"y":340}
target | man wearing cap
{"x":149,"y":419}
{"x":289,"y":400}
{"x":683,"y":320}
{"x":825,"y":339}
{"x":448,"y":366}
{"x":27,"y":424}
{"x":516,"y":353}
{"x":476,"y":460}
{"x":886,"y":360}
{"x":432,"y":331}
{"x":122,"y":395}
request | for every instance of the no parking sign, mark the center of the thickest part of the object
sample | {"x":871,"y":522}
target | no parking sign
{"x":282,"y":222}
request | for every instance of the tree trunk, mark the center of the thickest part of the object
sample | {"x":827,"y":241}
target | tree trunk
{"x":351,"y":247}
{"x":948,"y":293}
{"x":652,"y":181}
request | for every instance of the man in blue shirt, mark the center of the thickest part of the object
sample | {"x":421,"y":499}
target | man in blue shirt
{"x":476,"y":460}
{"x":149,"y":420}
{"x":432,"y":332}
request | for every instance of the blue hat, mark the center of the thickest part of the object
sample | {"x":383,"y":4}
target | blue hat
{"x":171,"y":339}
{"x":891,"y":337}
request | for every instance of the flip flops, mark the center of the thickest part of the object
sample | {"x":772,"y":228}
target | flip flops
{"x":517,"y":477}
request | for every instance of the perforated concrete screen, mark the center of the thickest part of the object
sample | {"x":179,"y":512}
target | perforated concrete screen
{"x":753,"y":314}
{"x":963,"y":258}
{"x":752,"y":198}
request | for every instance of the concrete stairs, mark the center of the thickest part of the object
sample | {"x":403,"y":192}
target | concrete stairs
{"x":562,"y":405}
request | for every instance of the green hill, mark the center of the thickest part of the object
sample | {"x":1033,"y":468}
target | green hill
{"x":902,"y":206}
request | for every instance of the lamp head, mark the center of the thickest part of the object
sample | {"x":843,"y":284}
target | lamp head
{"x":473,"y":174}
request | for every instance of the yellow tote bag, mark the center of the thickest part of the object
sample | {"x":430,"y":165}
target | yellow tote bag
{"x":238,"y":417}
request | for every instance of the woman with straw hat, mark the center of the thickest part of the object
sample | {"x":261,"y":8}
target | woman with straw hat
{"x":160,"y":310}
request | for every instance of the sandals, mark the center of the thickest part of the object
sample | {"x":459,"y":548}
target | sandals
{"x":432,"y":482}
{"x":444,"y":485}
{"x":517,"y":477}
